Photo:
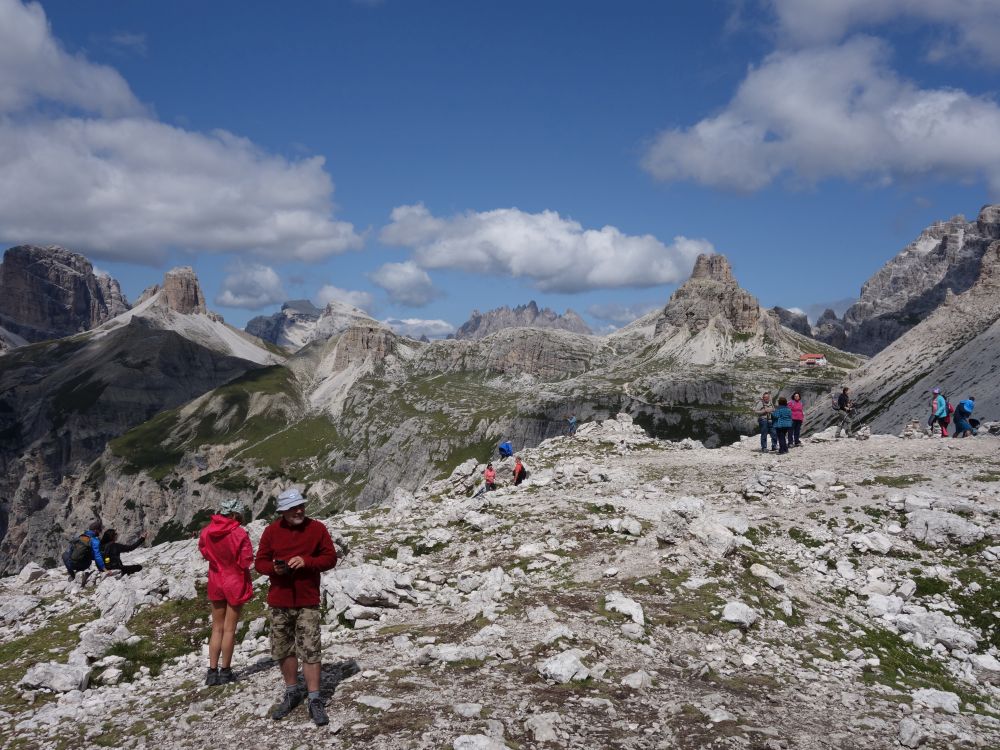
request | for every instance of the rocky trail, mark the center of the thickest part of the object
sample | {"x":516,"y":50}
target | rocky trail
{"x":632,"y":593}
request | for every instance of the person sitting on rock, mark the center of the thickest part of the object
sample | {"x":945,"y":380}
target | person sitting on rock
{"x":520,"y":473}
{"x":293,"y":552}
{"x":963,"y":427}
{"x":112,"y":551}
{"x":226,"y":546}
{"x":83,"y":551}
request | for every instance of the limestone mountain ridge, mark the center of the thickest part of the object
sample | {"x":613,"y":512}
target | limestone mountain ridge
{"x":355,"y":415}
{"x":51,"y":292}
{"x":62,"y":401}
{"x":910,"y":286}
{"x":479,"y":325}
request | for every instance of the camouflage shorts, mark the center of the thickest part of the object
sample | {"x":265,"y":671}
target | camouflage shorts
{"x":295,"y":631}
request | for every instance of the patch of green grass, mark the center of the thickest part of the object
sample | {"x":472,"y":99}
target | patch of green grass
{"x":168,"y":630}
{"x":978,"y":607}
{"x":49,"y":642}
{"x":142,"y":447}
{"x":987,"y":476}
{"x":804,"y":538}
{"x":928,"y":586}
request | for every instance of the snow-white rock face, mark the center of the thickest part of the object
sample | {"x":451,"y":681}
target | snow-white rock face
{"x":519,"y":618}
{"x":944,"y":259}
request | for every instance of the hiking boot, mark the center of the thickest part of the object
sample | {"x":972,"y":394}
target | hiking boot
{"x":226,"y":676}
{"x":288,"y":704}
{"x":317,"y":712}
{"x":212,"y":677}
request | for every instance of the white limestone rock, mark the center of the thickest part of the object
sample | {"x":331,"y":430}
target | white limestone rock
{"x":542,"y":727}
{"x":739,"y":614}
{"x":937,"y":699}
{"x":769,"y":577}
{"x":616,"y":601}
{"x":564,"y":667}
{"x":60,"y":678}
{"x":911,"y":734}
{"x":937,"y":527}
{"x":640,"y":680}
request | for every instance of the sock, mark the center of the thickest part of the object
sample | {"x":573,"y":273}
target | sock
{"x":313,"y":694}
{"x":291,"y":688}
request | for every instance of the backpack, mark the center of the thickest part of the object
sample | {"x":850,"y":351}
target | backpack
{"x":836,"y":401}
{"x":951,"y":409}
{"x":79,"y":551}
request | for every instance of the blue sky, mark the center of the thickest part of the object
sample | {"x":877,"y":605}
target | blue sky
{"x":423,"y":159}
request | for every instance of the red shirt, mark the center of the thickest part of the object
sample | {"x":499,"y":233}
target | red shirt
{"x":310,"y":541}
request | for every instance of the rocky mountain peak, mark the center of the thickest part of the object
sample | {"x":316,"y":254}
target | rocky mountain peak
{"x":713,"y":266}
{"x":795,"y":321}
{"x":479,"y":325}
{"x":988,"y":222}
{"x":914,"y":283}
{"x":711,"y":293}
{"x":51,"y":292}
{"x":182,"y":292}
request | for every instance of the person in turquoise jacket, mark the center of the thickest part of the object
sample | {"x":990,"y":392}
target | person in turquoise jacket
{"x":782,"y":423}
{"x":939,"y":413}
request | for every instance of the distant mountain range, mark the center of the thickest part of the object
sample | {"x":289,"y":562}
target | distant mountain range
{"x":151,"y":414}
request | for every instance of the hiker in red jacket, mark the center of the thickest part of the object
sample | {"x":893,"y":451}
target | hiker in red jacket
{"x":519,"y":471}
{"x":226,"y":546}
{"x":293,"y":551}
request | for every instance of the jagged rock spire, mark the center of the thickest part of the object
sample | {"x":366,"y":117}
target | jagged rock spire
{"x":711,"y":292}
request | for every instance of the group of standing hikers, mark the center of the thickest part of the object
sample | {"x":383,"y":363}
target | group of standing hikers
{"x":293,"y":551}
{"x":783,"y":421}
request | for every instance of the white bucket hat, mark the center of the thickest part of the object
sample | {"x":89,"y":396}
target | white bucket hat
{"x":289,"y":499}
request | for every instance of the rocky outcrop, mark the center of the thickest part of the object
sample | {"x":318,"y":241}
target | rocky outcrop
{"x":955,"y":348}
{"x":794,"y":321}
{"x":182,"y":292}
{"x":290,"y":327}
{"x":576,"y":610}
{"x":50,"y":292}
{"x":481,"y":325}
{"x":711,"y":293}
{"x":830,"y":329}
{"x":946,"y":256}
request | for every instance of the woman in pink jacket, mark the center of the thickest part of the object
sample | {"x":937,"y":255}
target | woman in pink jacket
{"x":226,"y":546}
{"x":795,"y":437}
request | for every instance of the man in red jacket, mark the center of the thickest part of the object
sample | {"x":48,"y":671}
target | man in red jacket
{"x":293,"y":551}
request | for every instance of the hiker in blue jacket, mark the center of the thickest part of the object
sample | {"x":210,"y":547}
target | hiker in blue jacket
{"x":782,"y":423}
{"x":83,"y":551}
{"x":962,"y":414}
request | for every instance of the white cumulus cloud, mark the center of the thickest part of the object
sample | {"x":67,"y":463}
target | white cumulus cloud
{"x":962,"y":26}
{"x":405,"y":283}
{"x":121,"y":185}
{"x":252,"y":287}
{"x":417,"y":327}
{"x":329,"y":293}
{"x":833,"y":112}
{"x":555,"y":253}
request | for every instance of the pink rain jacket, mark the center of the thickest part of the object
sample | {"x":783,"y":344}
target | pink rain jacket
{"x":796,"y":407}
{"x":226,"y":546}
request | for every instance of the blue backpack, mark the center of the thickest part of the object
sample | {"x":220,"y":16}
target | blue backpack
{"x":506,"y":450}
